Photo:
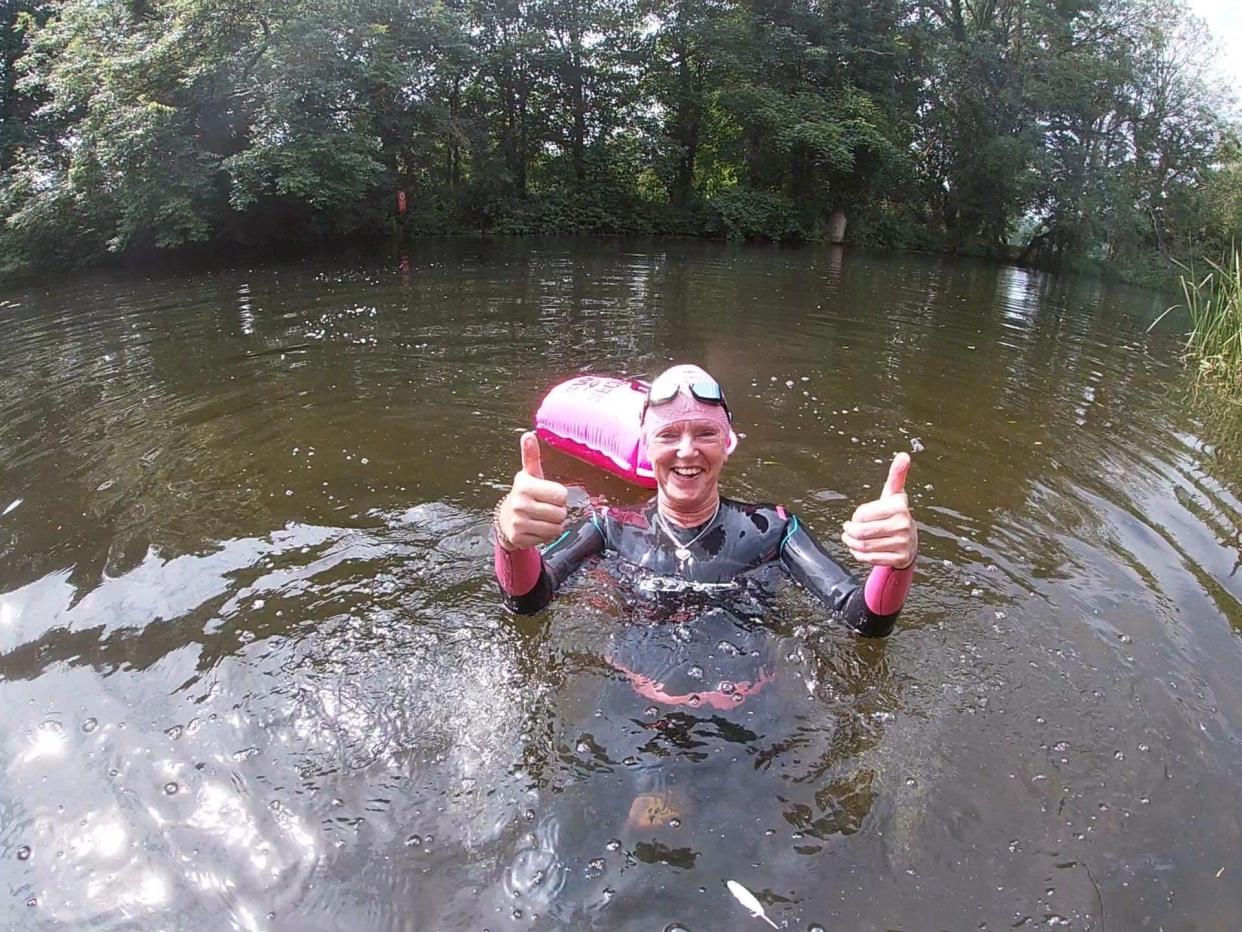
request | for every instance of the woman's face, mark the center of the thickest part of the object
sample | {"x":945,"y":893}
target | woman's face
{"x":687,"y":457}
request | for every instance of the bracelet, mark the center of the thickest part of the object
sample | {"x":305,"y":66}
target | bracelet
{"x":501,"y":537}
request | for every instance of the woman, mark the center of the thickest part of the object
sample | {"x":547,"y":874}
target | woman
{"x":690,"y":531}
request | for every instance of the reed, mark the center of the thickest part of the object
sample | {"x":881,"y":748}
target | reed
{"x":1214,"y":302}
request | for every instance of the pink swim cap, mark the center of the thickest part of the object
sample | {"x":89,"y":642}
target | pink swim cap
{"x":685,"y":407}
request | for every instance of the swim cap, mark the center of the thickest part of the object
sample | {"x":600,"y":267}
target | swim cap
{"x":684,"y":406}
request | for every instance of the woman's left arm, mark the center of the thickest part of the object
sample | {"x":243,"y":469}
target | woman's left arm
{"x":882,"y":534}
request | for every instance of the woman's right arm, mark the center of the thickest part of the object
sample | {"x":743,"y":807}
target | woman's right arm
{"x":533,"y":514}
{"x":529,"y":578}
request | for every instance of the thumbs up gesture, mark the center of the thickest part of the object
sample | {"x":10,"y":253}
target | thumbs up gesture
{"x":534,"y":510}
{"x":883,"y":532}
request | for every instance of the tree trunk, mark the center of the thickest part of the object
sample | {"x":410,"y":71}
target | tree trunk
{"x":836,"y":226}
{"x":577,"y":99}
{"x":689,"y":118}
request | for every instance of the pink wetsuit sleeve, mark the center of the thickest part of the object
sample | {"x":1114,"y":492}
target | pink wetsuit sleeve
{"x":517,"y":572}
{"x":887,"y":589}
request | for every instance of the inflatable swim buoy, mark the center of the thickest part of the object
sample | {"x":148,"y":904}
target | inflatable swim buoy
{"x":595,"y":419}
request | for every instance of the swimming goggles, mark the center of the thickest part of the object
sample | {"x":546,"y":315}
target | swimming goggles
{"x":707,"y":391}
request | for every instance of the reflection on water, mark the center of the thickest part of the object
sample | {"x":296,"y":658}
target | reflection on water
{"x":257,"y":676}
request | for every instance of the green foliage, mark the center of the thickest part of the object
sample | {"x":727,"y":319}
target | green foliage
{"x":1214,"y":301}
{"x":1083,"y":133}
{"x":743,"y":214}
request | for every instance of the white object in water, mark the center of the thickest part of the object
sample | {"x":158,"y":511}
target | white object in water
{"x":747,"y":899}
{"x":15,"y":503}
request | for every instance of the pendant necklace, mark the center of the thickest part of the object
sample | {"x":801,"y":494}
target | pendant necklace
{"x":680,"y":550}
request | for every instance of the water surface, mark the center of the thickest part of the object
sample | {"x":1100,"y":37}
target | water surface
{"x":256,"y":675}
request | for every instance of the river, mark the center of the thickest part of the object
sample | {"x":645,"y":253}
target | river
{"x":255,"y":673}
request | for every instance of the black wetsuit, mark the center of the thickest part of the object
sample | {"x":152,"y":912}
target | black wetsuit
{"x":740,"y":537}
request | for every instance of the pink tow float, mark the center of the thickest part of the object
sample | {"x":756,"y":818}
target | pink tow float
{"x":595,"y":419}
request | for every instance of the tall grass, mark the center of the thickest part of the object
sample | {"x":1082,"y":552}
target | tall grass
{"x":1214,"y":302}
{"x":1215,"y":305}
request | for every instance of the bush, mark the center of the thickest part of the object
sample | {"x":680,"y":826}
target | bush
{"x":743,"y":214}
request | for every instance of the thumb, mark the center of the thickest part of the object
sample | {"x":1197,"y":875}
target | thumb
{"x":531,"y":462}
{"x":895,"y":484}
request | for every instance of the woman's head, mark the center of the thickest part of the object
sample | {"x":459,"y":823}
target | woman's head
{"x":688,"y":435}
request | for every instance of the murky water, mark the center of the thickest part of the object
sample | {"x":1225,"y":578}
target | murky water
{"x":254,"y":672}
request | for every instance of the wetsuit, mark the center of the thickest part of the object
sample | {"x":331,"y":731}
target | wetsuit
{"x":740,"y":537}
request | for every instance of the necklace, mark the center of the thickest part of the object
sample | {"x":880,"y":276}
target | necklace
{"x":682,"y":551}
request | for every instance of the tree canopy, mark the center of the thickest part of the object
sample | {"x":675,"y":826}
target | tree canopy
{"x":1069,"y":130}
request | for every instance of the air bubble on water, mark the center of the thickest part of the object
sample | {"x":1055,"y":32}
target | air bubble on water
{"x":614,"y":844}
{"x":414,"y":841}
{"x":652,"y":711}
{"x":90,"y":725}
{"x":170,"y":788}
{"x":674,"y":823}
{"x":529,"y":815}
{"x":789,"y":383}
{"x":245,"y":753}
{"x":23,"y":853}
{"x":596,"y":867}
{"x":175,"y":732}
{"x":630,"y":761}
{"x":583,"y":747}
{"x":676,"y":927}
{"x":1120,"y":755}
{"x":695,"y":672}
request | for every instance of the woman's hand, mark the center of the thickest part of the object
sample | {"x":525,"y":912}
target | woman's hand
{"x":534,"y":511}
{"x":883,"y":532}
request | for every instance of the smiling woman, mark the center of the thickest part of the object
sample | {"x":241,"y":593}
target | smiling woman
{"x":689,"y":531}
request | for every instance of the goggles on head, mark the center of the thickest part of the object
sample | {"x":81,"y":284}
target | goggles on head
{"x":707,"y":391}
